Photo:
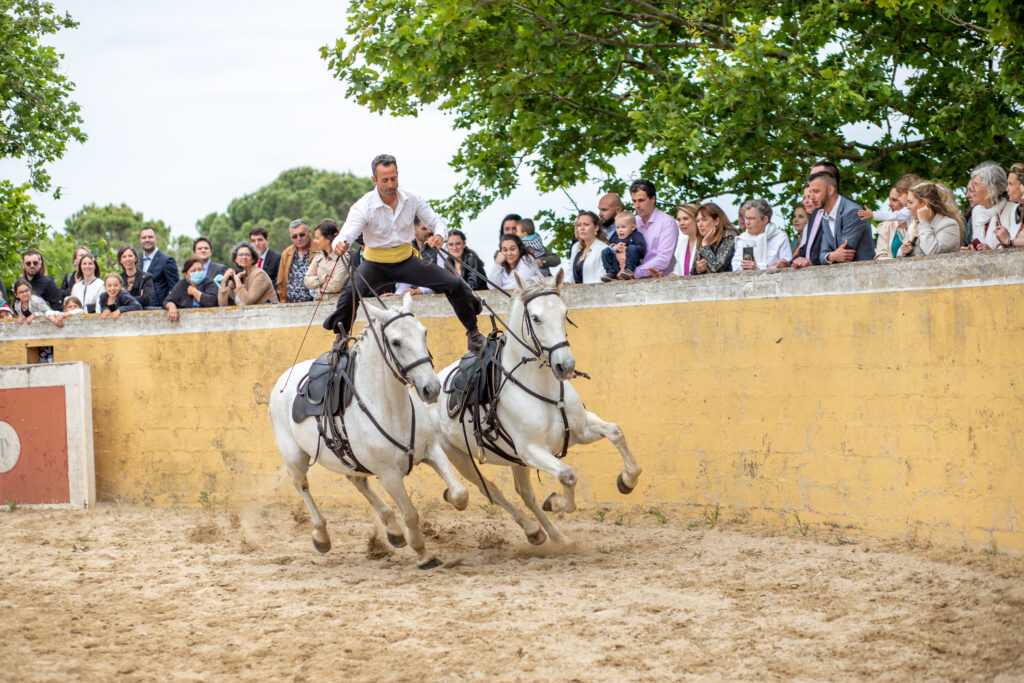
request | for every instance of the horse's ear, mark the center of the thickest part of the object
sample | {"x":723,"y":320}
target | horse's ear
{"x":374,"y":312}
{"x":407,"y":303}
{"x":559,"y":279}
{"x":519,"y":281}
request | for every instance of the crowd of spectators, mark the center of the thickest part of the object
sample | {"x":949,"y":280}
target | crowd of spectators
{"x":827,"y":228}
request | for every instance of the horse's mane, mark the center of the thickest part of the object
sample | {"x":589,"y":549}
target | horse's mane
{"x":535,"y":285}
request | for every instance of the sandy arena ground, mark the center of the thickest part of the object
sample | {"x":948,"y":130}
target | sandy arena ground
{"x":130,"y":593}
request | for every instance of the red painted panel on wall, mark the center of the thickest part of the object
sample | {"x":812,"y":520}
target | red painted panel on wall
{"x":33,"y":446}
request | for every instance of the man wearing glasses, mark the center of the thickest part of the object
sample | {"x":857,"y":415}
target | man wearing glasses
{"x":385,"y":217}
{"x":294,"y":263}
{"x":33,"y":267}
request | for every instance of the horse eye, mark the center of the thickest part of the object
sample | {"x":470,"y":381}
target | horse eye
{"x":535,"y":319}
{"x":396,"y":343}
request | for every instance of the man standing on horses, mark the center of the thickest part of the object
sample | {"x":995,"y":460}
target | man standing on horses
{"x":384,"y":216}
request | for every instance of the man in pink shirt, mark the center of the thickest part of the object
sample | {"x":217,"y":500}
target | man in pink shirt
{"x":658,"y":228}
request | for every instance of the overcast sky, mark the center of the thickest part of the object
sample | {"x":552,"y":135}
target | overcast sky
{"x":190,"y":104}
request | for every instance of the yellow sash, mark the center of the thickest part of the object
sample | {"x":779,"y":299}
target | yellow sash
{"x":387,"y":254}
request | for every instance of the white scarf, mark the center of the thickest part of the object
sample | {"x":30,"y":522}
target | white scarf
{"x":759,"y":243}
{"x":983,"y":222}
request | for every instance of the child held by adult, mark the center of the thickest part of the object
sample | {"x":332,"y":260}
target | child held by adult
{"x":527,"y":232}
{"x":627,"y":250}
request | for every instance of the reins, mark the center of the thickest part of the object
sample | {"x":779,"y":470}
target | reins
{"x":338,"y":441}
{"x":487,"y":428}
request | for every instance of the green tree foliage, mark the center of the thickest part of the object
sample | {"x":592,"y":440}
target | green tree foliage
{"x":37,"y":118}
{"x":718,"y":96}
{"x":105,"y":229}
{"x":305,"y":193}
{"x":20,"y":228}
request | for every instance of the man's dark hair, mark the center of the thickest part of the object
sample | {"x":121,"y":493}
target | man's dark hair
{"x":381,"y":160}
{"x":827,"y":177}
{"x":645,"y":186}
{"x":257,"y":230}
{"x":201,"y":239}
{"x":830,"y":168}
{"x":147,"y":227}
{"x":32,"y":251}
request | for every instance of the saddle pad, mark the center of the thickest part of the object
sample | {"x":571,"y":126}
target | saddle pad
{"x":474,"y":381}
{"x":314,"y":387}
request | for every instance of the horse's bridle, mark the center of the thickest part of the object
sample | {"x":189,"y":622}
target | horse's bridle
{"x":391,"y":361}
{"x":539,"y":349}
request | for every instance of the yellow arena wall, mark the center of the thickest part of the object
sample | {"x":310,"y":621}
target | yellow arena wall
{"x":879,"y":397}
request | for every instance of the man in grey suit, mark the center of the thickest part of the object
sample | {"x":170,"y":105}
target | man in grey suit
{"x":845,"y":236}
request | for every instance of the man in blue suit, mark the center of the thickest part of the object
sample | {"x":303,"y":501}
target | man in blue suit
{"x":845,"y":236}
{"x":158,"y":264}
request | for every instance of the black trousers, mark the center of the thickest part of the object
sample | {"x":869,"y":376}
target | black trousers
{"x":370,"y":275}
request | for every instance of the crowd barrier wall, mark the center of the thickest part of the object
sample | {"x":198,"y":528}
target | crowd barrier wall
{"x":879,"y":397}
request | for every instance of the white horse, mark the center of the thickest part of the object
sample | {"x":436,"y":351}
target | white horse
{"x":537,"y":363}
{"x":382,"y":404}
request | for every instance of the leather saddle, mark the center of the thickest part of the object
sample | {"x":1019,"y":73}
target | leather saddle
{"x":324,"y":389}
{"x":476,"y":379}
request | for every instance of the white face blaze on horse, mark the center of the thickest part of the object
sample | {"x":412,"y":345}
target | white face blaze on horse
{"x":537,"y":412}
{"x":387,"y":428}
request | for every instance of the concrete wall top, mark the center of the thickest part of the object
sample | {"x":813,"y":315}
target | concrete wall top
{"x":976,"y":269}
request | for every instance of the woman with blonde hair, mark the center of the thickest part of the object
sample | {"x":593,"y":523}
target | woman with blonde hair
{"x":689,"y":238}
{"x":936,"y":225}
{"x":718,"y":241}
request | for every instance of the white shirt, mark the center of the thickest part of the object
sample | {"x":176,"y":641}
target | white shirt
{"x":833,"y":216}
{"x":902,"y":216}
{"x":384,"y":228}
{"x":89,"y":296}
{"x":526,"y":268}
{"x":147,"y":260}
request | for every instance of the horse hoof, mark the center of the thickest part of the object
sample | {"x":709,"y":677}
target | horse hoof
{"x":396,"y":540}
{"x":623,"y":489}
{"x":548,"y":506}
{"x":445,"y":496}
{"x":431,"y":564}
{"x":537,"y":538}
{"x":322,"y":547}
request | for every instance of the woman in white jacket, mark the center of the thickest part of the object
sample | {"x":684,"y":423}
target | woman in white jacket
{"x":936,"y":225}
{"x":689,"y":239}
{"x":585,"y":266}
{"x":88,"y":285}
{"x":512,"y":258}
